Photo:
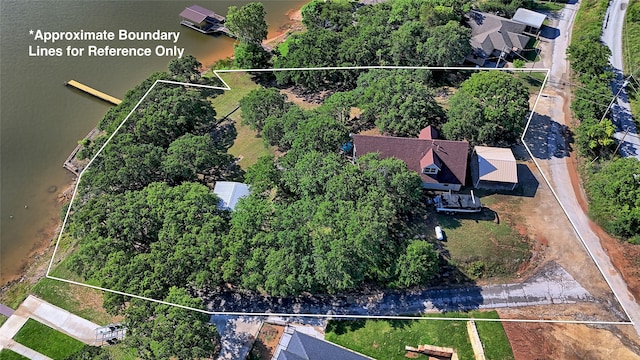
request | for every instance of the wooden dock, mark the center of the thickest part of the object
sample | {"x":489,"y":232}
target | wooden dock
{"x":94,"y":92}
{"x":76,"y":165}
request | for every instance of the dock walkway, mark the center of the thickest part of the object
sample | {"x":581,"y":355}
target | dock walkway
{"x":91,"y":91}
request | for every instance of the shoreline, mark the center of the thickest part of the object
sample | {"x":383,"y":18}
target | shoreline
{"x":37,"y":262}
{"x":49,"y":233}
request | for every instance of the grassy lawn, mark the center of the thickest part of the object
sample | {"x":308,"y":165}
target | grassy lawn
{"x":548,"y":6}
{"x":530,"y":51}
{"x":532,"y":79}
{"x":247,"y":144}
{"x":386,"y":339}
{"x":79,"y":300}
{"x":3,"y":319}
{"x":15,"y":294}
{"x":480,"y":246}
{"x":631,"y":48}
{"x":121,"y":352}
{"x":47,"y":341}
{"x":6,"y":354}
{"x":589,"y":19}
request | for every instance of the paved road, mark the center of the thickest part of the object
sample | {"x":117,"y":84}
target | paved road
{"x":551,"y":285}
{"x":621,"y":110}
{"x":556,"y":170}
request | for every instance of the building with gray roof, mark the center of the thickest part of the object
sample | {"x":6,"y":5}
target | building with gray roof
{"x":493,"y":36}
{"x":300,"y":346}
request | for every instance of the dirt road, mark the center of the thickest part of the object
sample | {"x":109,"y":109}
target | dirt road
{"x":556,"y":168}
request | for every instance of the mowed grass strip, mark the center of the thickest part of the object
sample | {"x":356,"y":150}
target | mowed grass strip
{"x":589,"y":19}
{"x":247,"y":145}
{"x":79,"y":300}
{"x":6,"y":354}
{"x":386,"y":339}
{"x":47,"y":341}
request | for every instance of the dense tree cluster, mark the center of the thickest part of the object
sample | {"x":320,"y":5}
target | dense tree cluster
{"x":614,"y":194}
{"x":489,"y":108}
{"x":506,"y":8}
{"x":320,"y":223}
{"x":169,"y":138}
{"x":142,"y":222}
{"x":248,"y":24}
{"x":590,"y":63}
{"x":400,"y":32}
{"x":160,"y":331}
{"x":399,"y":102}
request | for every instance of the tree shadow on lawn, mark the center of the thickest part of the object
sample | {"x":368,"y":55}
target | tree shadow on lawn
{"x":344,"y":326}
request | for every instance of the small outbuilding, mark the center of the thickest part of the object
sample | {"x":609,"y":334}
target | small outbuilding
{"x":533,"y":20}
{"x":494,"y":168}
{"x":229,"y":193}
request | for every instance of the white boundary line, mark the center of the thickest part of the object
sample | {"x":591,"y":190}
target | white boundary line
{"x":337,"y":316}
{"x":555,"y":195}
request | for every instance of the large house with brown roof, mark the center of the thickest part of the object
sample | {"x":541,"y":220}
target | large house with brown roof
{"x":442,"y":164}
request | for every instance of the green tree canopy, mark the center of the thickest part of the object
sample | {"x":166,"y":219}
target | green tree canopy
{"x":317,"y":47}
{"x":190,"y":155}
{"x":418,"y":265}
{"x":489,"y":108}
{"x":160,"y":331}
{"x":330,"y":15}
{"x":400,"y":102}
{"x":248,"y":22}
{"x":589,"y":57}
{"x":163,"y":232}
{"x":186,"y":69}
{"x":320,"y":223}
{"x":250,"y":56}
{"x":614,"y":194}
{"x":261,"y":103}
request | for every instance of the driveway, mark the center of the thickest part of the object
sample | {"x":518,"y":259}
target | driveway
{"x":551,"y":285}
{"x":556,"y":169}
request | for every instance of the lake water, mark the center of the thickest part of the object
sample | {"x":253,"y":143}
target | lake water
{"x":41,"y":120}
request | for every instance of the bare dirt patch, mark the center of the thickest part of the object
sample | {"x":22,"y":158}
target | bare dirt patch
{"x":564,"y":341}
{"x":267,"y":341}
{"x":299,"y":98}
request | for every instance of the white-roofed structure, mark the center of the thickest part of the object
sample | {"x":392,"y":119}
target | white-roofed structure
{"x":532,"y":19}
{"x":229,"y":193}
{"x":494,"y":168}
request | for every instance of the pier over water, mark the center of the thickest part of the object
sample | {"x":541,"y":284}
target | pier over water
{"x":94,"y":92}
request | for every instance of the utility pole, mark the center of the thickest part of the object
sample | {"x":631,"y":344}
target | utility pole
{"x":620,"y":142}
{"x":624,"y":84}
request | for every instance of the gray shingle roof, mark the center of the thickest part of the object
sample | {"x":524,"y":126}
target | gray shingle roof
{"x":305,"y":347}
{"x":491,"y":32}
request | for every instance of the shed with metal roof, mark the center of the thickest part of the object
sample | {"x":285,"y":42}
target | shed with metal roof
{"x":230,"y":192}
{"x":533,"y":20}
{"x":494,"y":167}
